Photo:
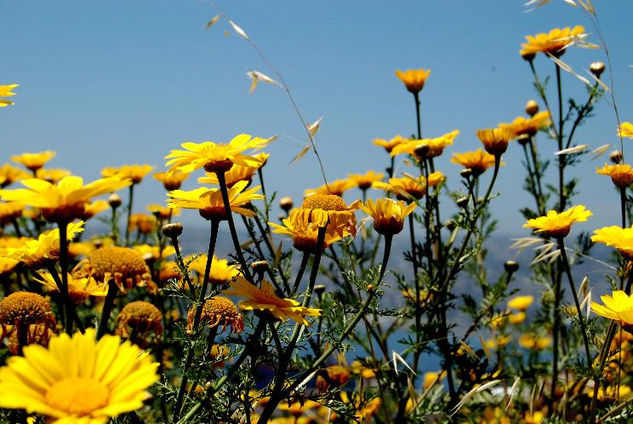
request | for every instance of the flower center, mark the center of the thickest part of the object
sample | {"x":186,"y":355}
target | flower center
{"x":327,"y":202}
{"x":78,"y":395}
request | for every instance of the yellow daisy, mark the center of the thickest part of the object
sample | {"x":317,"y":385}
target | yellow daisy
{"x":405,"y":188}
{"x":10,"y":174}
{"x":34,"y":161}
{"x":336,"y":187}
{"x":388,"y":145}
{"x":79,"y":287}
{"x":426,"y":147}
{"x":618,"y":307}
{"x":528,"y":126}
{"x":221,"y":272}
{"x":364,"y":181}
{"x":6,"y":91}
{"x":136,"y":173}
{"x":617,"y":237}
{"x":413,"y":79}
{"x":209,"y":201}
{"x":520,"y":302}
{"x":304,"y":231}
{"x":495,"y":140}
{"x":388,"y":214}
{"x":78,"y":380}
{"x":625,"y":130}
{"x":65,"y":200}
{"x":477,"y":161}
{"x":621,"y":174}
{"x":52,"y":175}
{"x":216,"y":157}
{"x":234,"y":175}
{"x":555,"y":42}
{"x":171,"y":180}
{"x":266,"y":300}
{"x":556,"y":224}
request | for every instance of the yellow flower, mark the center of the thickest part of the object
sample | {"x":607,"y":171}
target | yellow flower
{"x":7,"y":265}
{"x":477,"y":161}
{"x":163,"y":213}
{"x":140,"y":322}
{"x":142,"y":222}
{"x":498,"y":342}
{"x":209,"y":202}
{"x":528,"y":126}
{"x":616,"y":237}
{"x":427,"y":147}
{"x":126,"y":267}
{"x":171,"y":180}
{"x":93,"y":208}
{"x":136,"y":173}
{"x":52,"y":175}
{"x":234,"y":175}
{"x":10,"y":211}
{"x":10,"y":174}
{"x":215,"y":157}
{"x":618,"y":307}
{"x":554,"y":43}
{"x":218,"y":311}
{"x":79,"y":287}
{"x":520,"y":302}
{"x":36,"y":253}
{"x":304,"y":231}
{"x":517,"y":318}
{"x":330,"y":210}
{"x":621,"y":174}
{"x":534,"y":342}
{"x":388,"y":214}
{"x":65,"y":200}
{"x":336,"y":188}
{"x":78,"y":380}
{"x":6,"y":91}
{"x":625,"y":130}
{"x":221,"y":272}
{"x":150,"y":253}
{"x":406,"y":188}
{"x":495,"y":140}
{"x":34,"y":161}
{"x":556,"y":224}
{"x":431,"y":377}
{"x":613,"y":392}
{"x":388,"y":145}
{"x":264,"y":299}
{"x":364,"y":181}
{"x":414,"y":79}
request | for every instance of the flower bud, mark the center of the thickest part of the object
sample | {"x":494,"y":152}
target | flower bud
{"x":286,"y":203}
{"x":531,"y":107}
{"x":597,"y":68}
{"x":523,"y":139}
{"x":462,"y":202}
{"x":511,"y":266}
{"x":319,"y":289}
{"x":114,"y":200}
{"x":616,"y":156}
{"x":466,"y":173}
{"x":172,"y":230}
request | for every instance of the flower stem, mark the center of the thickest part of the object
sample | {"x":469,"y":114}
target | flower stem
{"x":561,"y":158}
{"x":302,"y":268}
{"x":196,"y":320}
{"x":108,"y":305}
{"x":623,"y":205}
{"x":229,"y":218}
{"x":129,"y":215}
{"x":63,"y":264}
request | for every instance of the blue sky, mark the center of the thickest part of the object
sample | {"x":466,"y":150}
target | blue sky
{"x":114,"y":82}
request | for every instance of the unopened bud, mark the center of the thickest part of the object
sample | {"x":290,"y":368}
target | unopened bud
{"x":172,"y":230}
{"x":319,"y":289}
{"x":462,"y":202}
{"x":523,"y":139}
{"x":260,"y":266}
{"x":114,"y":200}
{"x":616,"y":156}
{"x":422,"y":151}
{"x":450,"y":224}
{"x":511,"y":266}
{"x":597,"y":68}
{"x":286,"y":203}
{"x":528,"y":57}
{"x":531,"y":107}
{"x":466,"y":173}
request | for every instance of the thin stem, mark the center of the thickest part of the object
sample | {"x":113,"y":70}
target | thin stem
{"x":561,"y":158}
{"x":623,"y":205}
{"x":229,"y":218}
{"x":581,"y":319}
{"x":416,"y":97}
{"x":63,"y":264}
{"x":215,"y":223}
{"x":414,"y":256}
{"x":302,"y":268}
{"x":108,"y":305}
{"x":129,"y":215}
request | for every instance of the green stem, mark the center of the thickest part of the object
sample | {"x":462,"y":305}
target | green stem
{"x":129,"y":215}
{"x":63,"y":264}
{"x":561,"y":158}
{"x":108,"y":305}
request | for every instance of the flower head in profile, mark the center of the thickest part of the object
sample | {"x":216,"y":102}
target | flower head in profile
{"x":52,"y":175}
{"x":266,"y":300}
{"x":25,"y":310}
{"x":331,"y":211}
{"x":625,"y":130}
{"x":65,"y":200}
{"x":208,"y":201}
{"x":10,"y":174}
{"x":556,"y":224}
{"x":555,"y":42}
{"x":364,"y":181}
{"x":336,"y":188}
{"x":221,"y":272}
{"x":388,"y":214}
{"x":38,"y":253}
{"x":216,"y":157}
{"x":520,"y":302}
{"x":234,"y":175}
{"x":495,"y":140}
{"x":426,"y":147}
{"x":34,"y":161}
{"x":534,"y":342}
{"x":528,"y":126}
{"x":10,"y":211}
{"x":617,"y":307}
{"x":135,"y":173}
{"x":126,"y":267}
{"x":621,"y":174}
{"x":79,"y":287}
{"x":93,"y":208}
{"x":78,"y":379}
{"x":477,"y":161}
{"x":7,"y":91}
{"x":304,"y":231}
{"x":405,"y":188}
{"x":388,"y":145}
{"x":171,"y":180}
{"x":413,"y":79}
{"x":617,"y":237}
{"x":140,"y":322}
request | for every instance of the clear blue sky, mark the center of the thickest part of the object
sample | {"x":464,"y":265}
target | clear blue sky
{"x":124,"y":81}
